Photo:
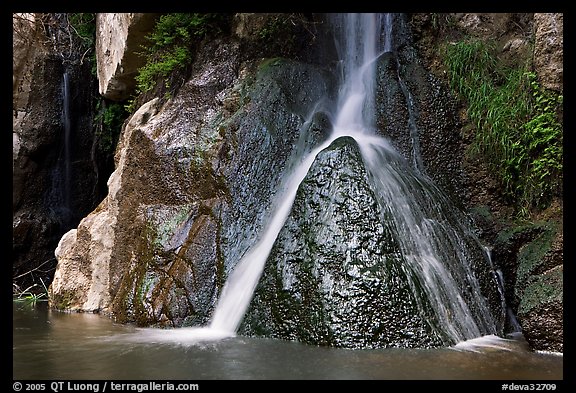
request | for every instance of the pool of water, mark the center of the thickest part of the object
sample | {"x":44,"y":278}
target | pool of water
{"x":62,"y":346}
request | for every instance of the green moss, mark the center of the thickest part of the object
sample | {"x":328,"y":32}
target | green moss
{"x":518,"y":231}
{"x":128,"y":304}
{"x":543,"y":289}
{"x":162,"y":230}
{"x":204,"y":146}
{"x":531,"y":256}
{"x":265,"y":65}
{"x":63,"y":301}
{"x":482,"y":211}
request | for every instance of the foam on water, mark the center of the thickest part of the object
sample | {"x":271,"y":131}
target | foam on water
{"x":490,"y":342}
{"x":182,"y":336}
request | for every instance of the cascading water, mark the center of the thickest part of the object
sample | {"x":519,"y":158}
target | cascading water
{"x":436,"y":260}
{"x":428,"y":246}
{"x":66,"y":121}
{"x":61,"y":195}
{"x":239,"y":289}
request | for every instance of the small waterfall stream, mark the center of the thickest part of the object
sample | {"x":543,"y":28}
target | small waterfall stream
{"x":61,"y":193}
{"x":67,"y":122}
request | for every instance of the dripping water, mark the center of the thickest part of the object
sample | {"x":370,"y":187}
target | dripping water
{"x":63,"y":175}
{"x":67,"y":133}
{"x":411,"y":106}
{"x":388,"y":23}
{"x":506,"y":309}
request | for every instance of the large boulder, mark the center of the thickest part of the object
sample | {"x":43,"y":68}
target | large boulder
{"x":335,"y":274}
{"x":351,"y":267}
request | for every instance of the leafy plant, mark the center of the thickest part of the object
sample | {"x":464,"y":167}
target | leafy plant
{"x":172,"y":43}
{"x":517,"y":129}
{"x":543,"y":139}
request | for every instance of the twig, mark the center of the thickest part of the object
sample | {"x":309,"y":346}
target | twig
{"x":36,"y":268}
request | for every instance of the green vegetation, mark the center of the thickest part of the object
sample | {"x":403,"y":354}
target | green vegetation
{"x":84,"y":25}
{"x":542,"y":292}
{"x":64,"y":301}
{"x":29,"y":296}
{"x":518,"y":131}
{"x":531,"y":255}
{"x":109,"y":120}
{"x":172,"y":45}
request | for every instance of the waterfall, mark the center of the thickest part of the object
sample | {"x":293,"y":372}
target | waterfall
{"x":358,"y":68}
{"x":62,"y":179}
{"x":388,"y":23}
{"x":508,"y":313}
{"x":421,"y":232}
{"x":437,"y":260}
{"x":67,"y":131}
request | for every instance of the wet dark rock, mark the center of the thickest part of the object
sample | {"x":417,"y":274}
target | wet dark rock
{"x":531,"y":259}
{"x":417,"y":113}
{"x":334,"y":276}
{"x":266,"y":136}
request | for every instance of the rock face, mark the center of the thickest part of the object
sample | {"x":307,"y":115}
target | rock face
{"x":549,"y":50}
{"x":186,"y":196}
{"x":159,"y":248}
{"x":248,"y":25}
{"x":532,"y":260}
{"x":119,"y":37}
{"x":27,"y":45}
{"x":417,"y":112}
{"x":33,"y":132}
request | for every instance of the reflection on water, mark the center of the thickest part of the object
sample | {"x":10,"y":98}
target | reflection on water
{"x":52,"y":345}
